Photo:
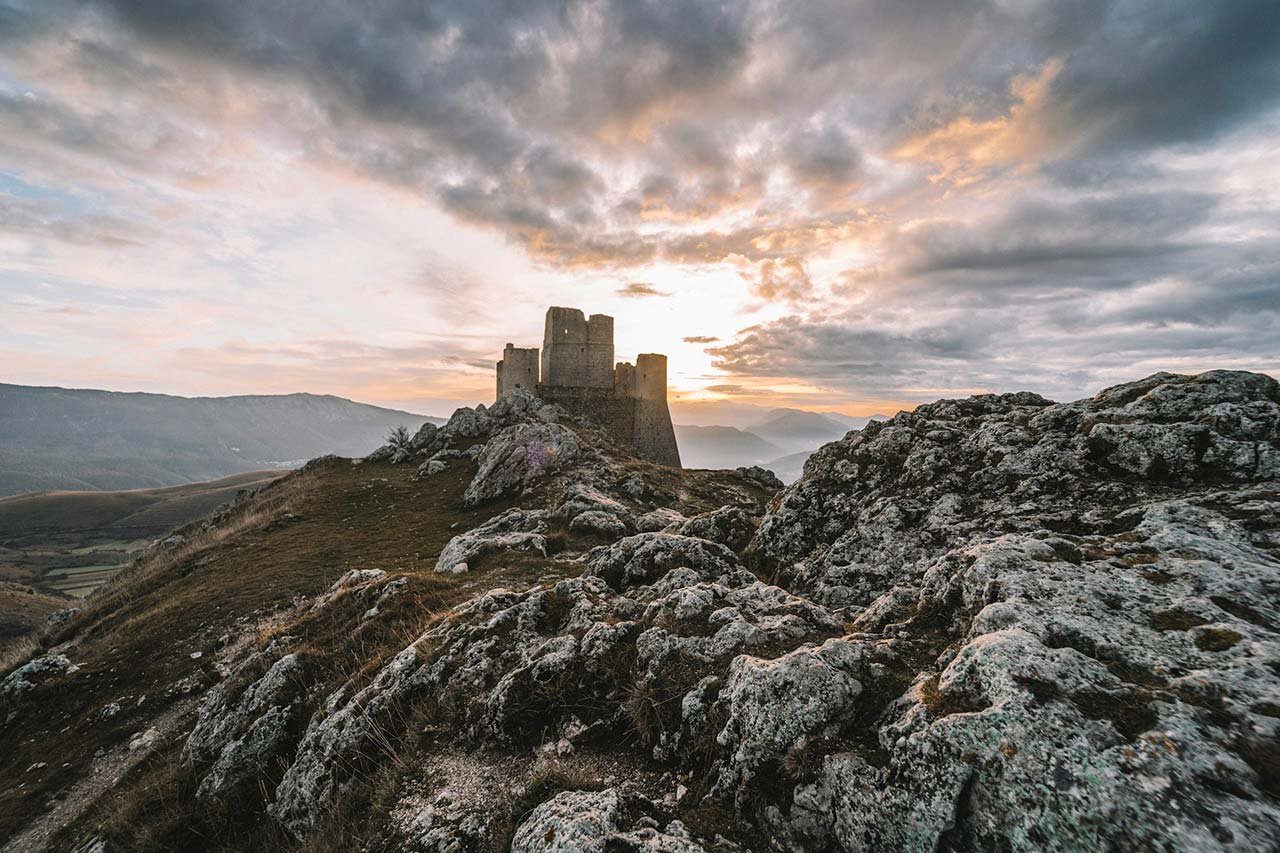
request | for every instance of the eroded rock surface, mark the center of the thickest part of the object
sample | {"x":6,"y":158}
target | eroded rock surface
{"x":519,"y":455}
{"x":997,"y":623}
{"x":513,"y":530}
{"x":1093,"y":586}
{"x":598,"y":821}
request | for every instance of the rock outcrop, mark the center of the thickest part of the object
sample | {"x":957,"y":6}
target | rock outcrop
{"x":997,"y":623}
{"x":994,"y":623}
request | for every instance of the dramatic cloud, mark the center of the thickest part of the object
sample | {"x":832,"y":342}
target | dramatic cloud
{"x":885,"y":200}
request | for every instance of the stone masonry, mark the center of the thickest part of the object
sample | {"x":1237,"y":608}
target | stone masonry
{"x":577,"y":371}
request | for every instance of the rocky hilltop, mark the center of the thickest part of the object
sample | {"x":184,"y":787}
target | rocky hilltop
{"x":997,"y":623}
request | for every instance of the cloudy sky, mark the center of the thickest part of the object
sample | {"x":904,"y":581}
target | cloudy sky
{"x":847,"y":205}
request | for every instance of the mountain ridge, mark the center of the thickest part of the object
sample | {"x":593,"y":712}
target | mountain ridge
{"x":76,"y":439}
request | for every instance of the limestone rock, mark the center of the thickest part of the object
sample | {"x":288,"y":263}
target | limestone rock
{"x":513,"y":530}
{"x":659,"y":519}
{"x":29,"y":676}
{"x":448,"y":823}
{"x":248,"y":757}
{"x":62,"y":615}
{"x":1072,"y":628}
{"x":597,"y":821}
{"x":432,"y":467}
{"x":729,"y":526}
{"x":519,"y":455}
{"x":145,"y":740}
{"x":331,"y":748}
{"x":599,"y":523}
{"x":425,"y":437}
{"x":645,"y":557}
{"x":874,"y":508}
{"x":237,"y":737}
{"x":35,"y":672}
{"x":762,"y":476}
{"x":581,"y":497}
{"x":469,"y":423}
{"x":352,"y":579}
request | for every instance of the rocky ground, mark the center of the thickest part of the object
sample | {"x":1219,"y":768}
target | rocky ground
{"x":997,"y":623}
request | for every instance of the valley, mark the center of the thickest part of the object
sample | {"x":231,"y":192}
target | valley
{"x":64,"y":544}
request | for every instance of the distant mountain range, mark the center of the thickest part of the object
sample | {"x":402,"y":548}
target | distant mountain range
{"x":59,"y":438}
{"x":778,"y":439}
{"x":722,"y":447}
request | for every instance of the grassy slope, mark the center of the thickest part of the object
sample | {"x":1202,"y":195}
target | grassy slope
{"x":293,"y":539}
{"x":151,"y":511}
{"x":69,"y":542}
{"x":24,"y":609}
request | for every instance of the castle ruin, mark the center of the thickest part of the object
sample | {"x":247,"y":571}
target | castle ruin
{"x":576,"y":371}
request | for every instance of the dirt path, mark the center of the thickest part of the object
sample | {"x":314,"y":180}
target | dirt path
{"x":106,"y":772}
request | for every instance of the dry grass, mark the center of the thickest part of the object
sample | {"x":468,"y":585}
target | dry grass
{"x":17,"y":652}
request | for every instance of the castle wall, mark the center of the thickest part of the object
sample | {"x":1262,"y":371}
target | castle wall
{"x":577,"y":351}
{"x":616,"y":415}
{"x":575,"y":370}
{"x":652,"y":432}
{"x":518,"y":369}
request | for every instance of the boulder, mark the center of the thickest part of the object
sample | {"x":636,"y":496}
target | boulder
{"x":644,"y":558}
{"x":33,"y":673}
{"x":602,"y":524}
{"x":878,"y":506}
{"x":659,"y":519}
{"x":598,"y":821}
{"x":431,"y":467}
{"x":729,"y":526}
{"x":513,"y":530}
{"x":425,"y":438}
{"x":1070,"y":630}
{"x":518,"y":456}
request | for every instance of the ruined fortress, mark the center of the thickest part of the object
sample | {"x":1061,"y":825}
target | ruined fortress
{"x":576,"y":371}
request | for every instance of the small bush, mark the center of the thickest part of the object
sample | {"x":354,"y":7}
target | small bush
{"x":400,"y":438}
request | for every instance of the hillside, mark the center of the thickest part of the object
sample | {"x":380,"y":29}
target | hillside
{"x":64,"y":439}
{"x":70,"y":542}
{"x":788,"y":468}
{"x":996,"y":623}
{"x":794,"y":430}
{"x":722,"y":447}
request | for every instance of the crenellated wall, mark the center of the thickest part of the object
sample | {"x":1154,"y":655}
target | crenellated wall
{"x":576,"y":371}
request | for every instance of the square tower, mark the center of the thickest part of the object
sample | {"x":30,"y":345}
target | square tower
{"x":518,"y":369}
{"x":577,"y":351}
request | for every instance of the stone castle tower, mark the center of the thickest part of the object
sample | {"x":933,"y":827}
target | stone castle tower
{"x":577,"y":371}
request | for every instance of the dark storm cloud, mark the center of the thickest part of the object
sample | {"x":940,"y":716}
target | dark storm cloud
{"x":1155,"y":73}
{"x":1220,"y":308}
{"x":843,"y":353}
{"x":1034,"y":235}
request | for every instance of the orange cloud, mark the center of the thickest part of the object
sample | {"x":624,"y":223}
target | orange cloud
{"x":966,"y":150}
